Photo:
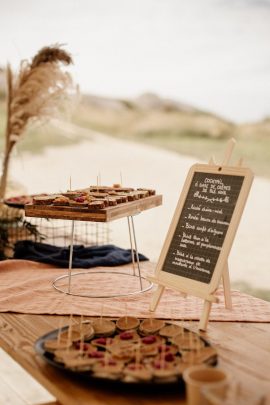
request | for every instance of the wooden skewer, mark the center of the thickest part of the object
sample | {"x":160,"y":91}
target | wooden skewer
{"x":212,"y":160}
{"x":137,"y":358}
{"x":162,"y":356}
{"x":106,"y":360}
{"x":97,"y":235}
{"x":81,"y":323}
{"x":228,"y":153}
{"x":59,"y":332}
{"x":81,"y":336}
{"x":70,"y":183}
{"x":172,"y":315}
{"x":98,"y":181}
{"x":191,"y":343}
{"x":182,"y":328}
{"x":121,"y":179}
{"x":240,"y":162}
{"x":101,"y":314}
{"x":125,"y":313}
{"x":184,"y":356}
{"x":70,"y":330}
{"x":151,"y":318}
{"x":198,"y":349}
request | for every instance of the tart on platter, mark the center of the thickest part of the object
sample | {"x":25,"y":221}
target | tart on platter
{"x":92,"y":198}
{"x":21,"y":200}
{"x":107,"y":351}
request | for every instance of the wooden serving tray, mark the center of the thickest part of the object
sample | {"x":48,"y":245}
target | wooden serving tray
{"x":84,"y":214}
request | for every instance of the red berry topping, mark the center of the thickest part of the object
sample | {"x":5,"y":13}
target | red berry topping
{"x":96,"y":355}
{"x":135,"y":367}
{"x":84,"y":347}
{"x":163,"y":348}
{"x":160,"y":364}
{"x":79,"y":199}
{"x":132,"y":367}
{"x":101,"y":341}
{"x":126,"y":335}
{"x":169,"y":357}
{"x":109,"y":363}
{"x":149,"y":339}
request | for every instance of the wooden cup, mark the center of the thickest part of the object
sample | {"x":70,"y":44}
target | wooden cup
{"x":199,"y":377}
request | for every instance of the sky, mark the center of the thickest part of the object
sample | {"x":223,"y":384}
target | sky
{"x":211,"y":54}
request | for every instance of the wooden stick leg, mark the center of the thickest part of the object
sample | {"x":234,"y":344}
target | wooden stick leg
{"x":226,"y":287}
{"x":228,"y":153}
{"x":205,"y":315}
{"x":156,"y":297}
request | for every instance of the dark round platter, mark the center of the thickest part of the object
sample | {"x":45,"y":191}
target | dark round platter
{"x":88,"y":375}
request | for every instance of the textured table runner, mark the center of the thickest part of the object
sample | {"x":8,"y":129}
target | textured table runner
{"x":26,"y":287}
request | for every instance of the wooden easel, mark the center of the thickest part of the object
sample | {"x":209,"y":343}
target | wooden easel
{"x":227,"y":298}
{"x":221,"y":271}
{"x":225,"y":272}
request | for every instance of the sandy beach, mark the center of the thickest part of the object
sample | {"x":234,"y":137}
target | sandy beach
{"x":145,"y":166}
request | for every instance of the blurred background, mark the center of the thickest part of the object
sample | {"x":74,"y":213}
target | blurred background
{"x":163,"y":84}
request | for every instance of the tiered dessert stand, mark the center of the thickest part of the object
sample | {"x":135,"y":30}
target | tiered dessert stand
{"x":128,"y":210}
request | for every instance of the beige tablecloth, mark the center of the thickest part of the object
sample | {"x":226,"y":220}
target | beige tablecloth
{"x":26,"y":287}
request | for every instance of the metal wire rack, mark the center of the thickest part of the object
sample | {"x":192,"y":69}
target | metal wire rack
{"x":14,"y":227}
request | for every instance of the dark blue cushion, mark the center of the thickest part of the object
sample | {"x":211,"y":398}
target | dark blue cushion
{"x":83,"y":257}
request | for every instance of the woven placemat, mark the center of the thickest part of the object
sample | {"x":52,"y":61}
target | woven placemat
{"x":26,"y":287}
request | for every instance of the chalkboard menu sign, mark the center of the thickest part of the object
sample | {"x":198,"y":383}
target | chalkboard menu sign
{"x":194,"y":256}
{"x":202,"y":226}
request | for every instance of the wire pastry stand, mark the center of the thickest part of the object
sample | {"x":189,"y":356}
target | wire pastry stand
{"x":132,"y":209}
{"x":133,"y":248}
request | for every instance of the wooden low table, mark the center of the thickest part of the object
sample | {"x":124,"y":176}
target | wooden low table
{"x":243,"y":349}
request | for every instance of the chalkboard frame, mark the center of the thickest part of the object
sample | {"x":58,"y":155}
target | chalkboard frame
{"x":191,"y":286}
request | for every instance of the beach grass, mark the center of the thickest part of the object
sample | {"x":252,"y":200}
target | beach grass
{"x":2,"y":123}
{"x":39,"y":137}
{"x":197,"y":134}
{"x":254,"y":152}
